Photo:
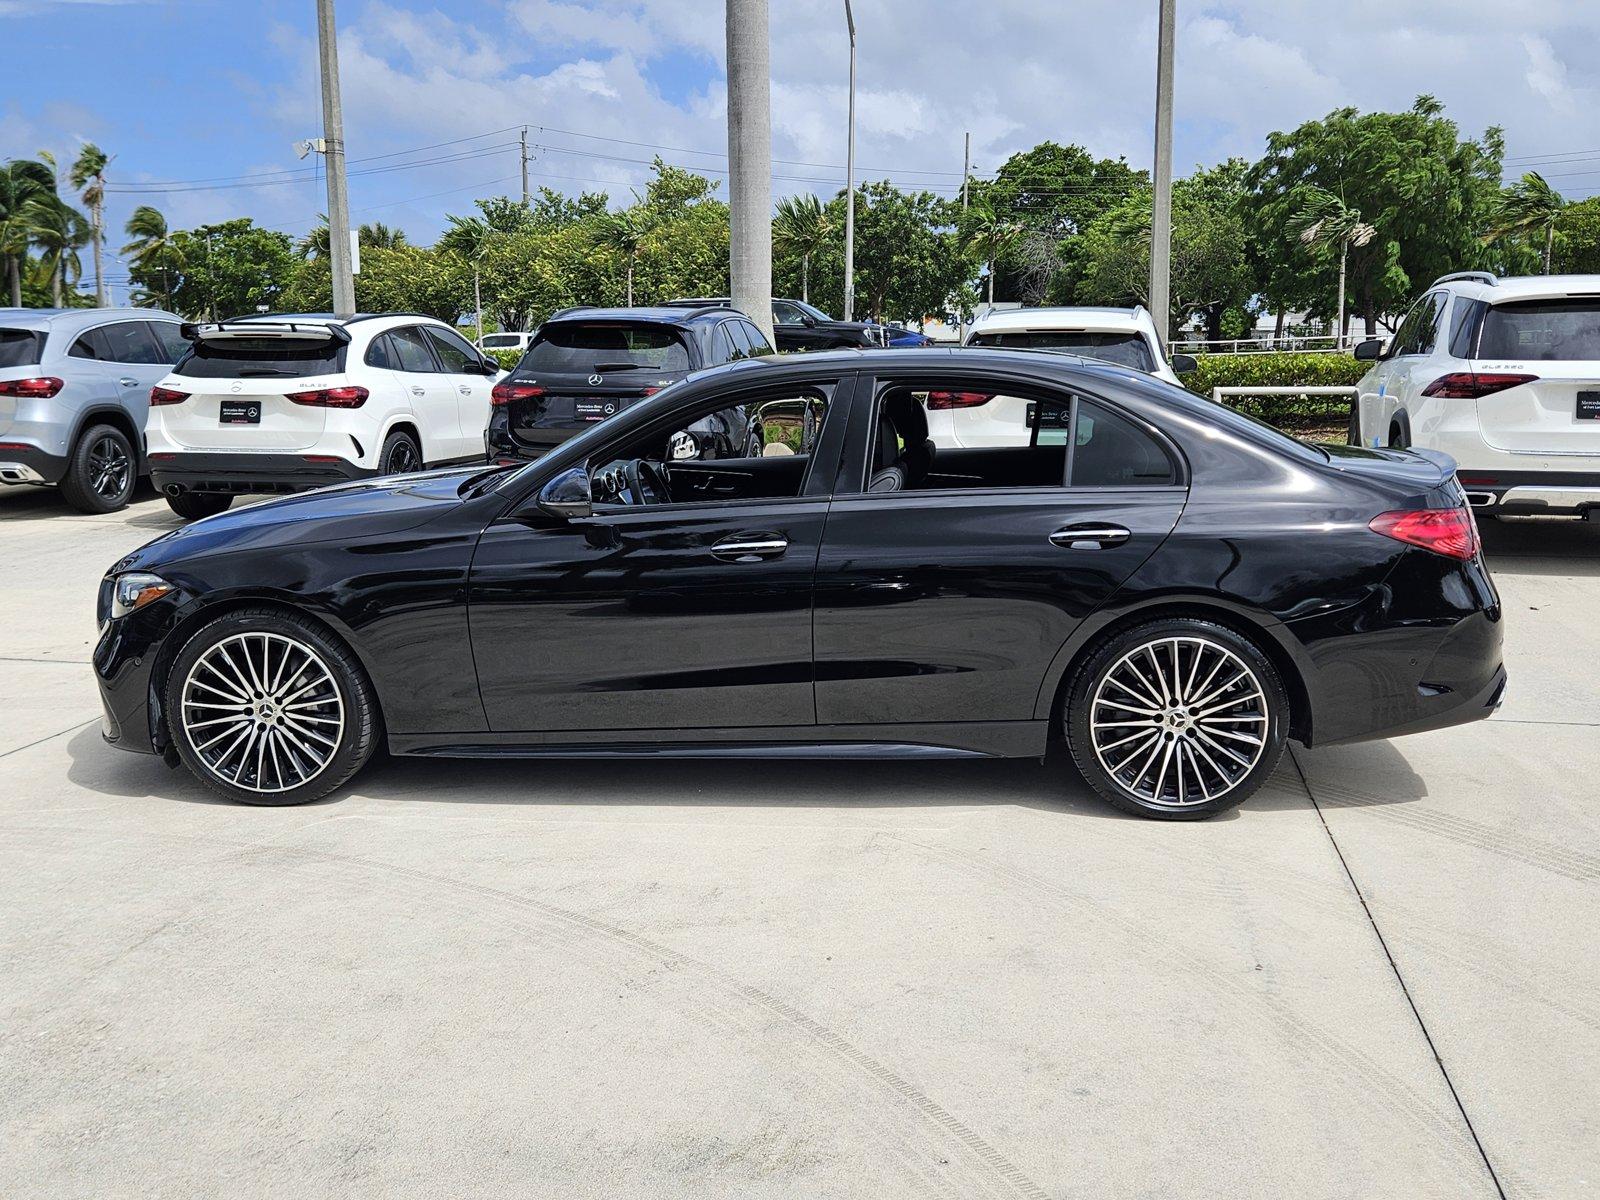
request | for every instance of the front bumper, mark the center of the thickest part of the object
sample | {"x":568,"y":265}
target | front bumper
{"x":251,"y":474}
{"x":21,"y":462}
{"x":132,"y":652}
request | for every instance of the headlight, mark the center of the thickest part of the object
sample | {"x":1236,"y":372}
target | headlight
{"x":134,"y":590}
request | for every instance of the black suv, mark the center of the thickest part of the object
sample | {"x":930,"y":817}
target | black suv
{"x":800,"y":326}
{"x":585,"y":364}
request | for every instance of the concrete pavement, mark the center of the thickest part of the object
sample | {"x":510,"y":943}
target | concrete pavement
{"x":681,"y":979}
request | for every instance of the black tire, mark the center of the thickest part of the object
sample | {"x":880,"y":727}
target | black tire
{"x":101,"y":471}
{"x":191,"y":506}
{"x":400,"y":454}
{"x":1398,"y":439}
{"x":1214,"y":781}
{"x":329,"y":694}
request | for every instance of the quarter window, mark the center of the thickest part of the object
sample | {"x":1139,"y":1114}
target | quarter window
{"x":381,"y":354}
{"x":173,"y":344}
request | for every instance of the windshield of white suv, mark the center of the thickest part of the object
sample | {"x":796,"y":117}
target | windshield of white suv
{"x":266,"y":358}
{"x":1542,"y":331}
{"x":20,"y":347}
{"x":1125,"y":349}
{"x":579,"y":346}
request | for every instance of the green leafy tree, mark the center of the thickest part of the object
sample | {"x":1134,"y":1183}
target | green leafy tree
{"x":60,"y":234}
{"x":379,"y":236}
{"x":88,"y":176}
{"x":1429,"y":191}
{"x":27,"y":201}
{"x":221,"y":270}
{"x":989,"y":234}
{"x":467,"y":238}
{"x":153,"y":253}
{"x":1577,"y":242}
{"x":625,"y":233}
{"x":1528,"y":206}
{"x":801,"y":230}
{"x":393,"y":279}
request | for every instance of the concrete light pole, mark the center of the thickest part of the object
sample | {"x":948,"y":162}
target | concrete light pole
{"x":1161,"y":210}
{"x":750,"y":161}
{"x":344,"y":287}
{"x":850,"y":180}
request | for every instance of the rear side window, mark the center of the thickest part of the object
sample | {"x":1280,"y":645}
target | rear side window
{"x":586,"y":347}
{"x":264,"y":358}
{"x":501,"y":341}
{"x":758,"y":340}
{"x":20,"y":347}
{"x":411,"y":348}
{"x":173,"y":344}
{"x":1126,"y":349}
{"x":381,"y":354}
{"x":1111,"y":451}
{"x":131,"y":342}
{"x":1542,"y":331}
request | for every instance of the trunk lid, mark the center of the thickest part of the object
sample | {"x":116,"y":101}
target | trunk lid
{"x":1405,"y":473}
{"x":1546,"y":415}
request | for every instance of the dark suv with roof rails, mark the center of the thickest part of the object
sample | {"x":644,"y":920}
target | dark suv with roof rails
{"x":797,"y":325}
{"x":587,"y":364}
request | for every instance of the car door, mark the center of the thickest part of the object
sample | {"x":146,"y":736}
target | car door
{"x":689,"y":615}
{"x":1410,"y":366}
{"x":793,"y":327}
{"x":948,"y":598}
{"x":430,"y":392}
{"x":136,"y":360}
{"x":462,"y":369}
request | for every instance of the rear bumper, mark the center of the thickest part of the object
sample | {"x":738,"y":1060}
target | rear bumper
{"x":251,"y":474}
{"x":21,"y":462}
{"x":1558,"y":493}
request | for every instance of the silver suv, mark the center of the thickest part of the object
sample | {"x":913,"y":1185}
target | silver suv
{"x":74,"y":389}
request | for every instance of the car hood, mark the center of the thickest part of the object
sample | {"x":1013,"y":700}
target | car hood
{"x":344,"y":513}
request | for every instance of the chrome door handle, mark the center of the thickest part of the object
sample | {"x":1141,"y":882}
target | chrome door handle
{"x":466,"y":389}
{"x":1089,"y":537}
{"x":750,"y":547}
{"x":126,"y":381}
{"x":418,"y":391}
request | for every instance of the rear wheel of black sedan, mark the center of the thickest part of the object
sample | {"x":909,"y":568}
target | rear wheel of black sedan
{"x":1177,"y":719}
{"x":267,"y":708}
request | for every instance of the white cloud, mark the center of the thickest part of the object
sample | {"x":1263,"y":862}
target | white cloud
{"x":1547,"y":75}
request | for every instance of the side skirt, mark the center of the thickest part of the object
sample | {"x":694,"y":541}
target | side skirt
{"x":988,"y":739}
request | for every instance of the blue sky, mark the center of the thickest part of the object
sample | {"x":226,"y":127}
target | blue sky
{"x":201,"y":101}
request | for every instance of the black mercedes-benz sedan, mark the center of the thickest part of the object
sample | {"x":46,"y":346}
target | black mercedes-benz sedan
{"x":1169,"y":587}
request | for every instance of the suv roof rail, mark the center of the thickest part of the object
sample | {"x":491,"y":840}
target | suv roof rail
{"x":1484,"y":277}
{"x":567,"y":311}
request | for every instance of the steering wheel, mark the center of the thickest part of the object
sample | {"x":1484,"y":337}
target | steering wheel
{"x":647,"y":482}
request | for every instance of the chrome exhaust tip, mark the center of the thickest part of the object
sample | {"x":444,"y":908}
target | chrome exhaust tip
{"x":174,"y":490}
{"x":1481,"y":499}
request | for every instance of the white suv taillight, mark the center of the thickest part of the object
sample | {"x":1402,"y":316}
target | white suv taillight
{"x":1469,"y":385}
{"x":352,"y":396}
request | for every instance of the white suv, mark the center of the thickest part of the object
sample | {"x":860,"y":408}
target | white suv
{"x":1504,"y":376}
{"x":1126,"y":336}
{"x":287,"y":403}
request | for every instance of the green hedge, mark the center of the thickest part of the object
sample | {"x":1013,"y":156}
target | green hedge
{"x":506,"y":358}
{"x":1281,"y":370}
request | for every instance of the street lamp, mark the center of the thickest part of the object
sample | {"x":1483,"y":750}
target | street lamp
{"x":850,"y":180}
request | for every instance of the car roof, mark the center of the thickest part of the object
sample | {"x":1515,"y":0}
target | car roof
{"x":1063,"y":317}
{"x":659,"y":314}
{"x":1481,"y":285}
{"x":68,"y":320}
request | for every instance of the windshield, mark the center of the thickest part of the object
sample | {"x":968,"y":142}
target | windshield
{"x":578,"y":346}
{"x":249,"y":357}
{"x":20,"y":347}
{"x":811,"y":310}
{"x":1542,"y":331}
{"x":1125,"y":349}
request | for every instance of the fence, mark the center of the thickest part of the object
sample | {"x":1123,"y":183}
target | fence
{"x":1267,"y":344}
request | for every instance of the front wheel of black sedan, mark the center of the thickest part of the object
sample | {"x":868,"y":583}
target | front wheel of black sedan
{"x":265,"y":707}
{"x":1177,"y":719}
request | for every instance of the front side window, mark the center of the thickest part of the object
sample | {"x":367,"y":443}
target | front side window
{"x":1125,"y":349}
{"x":1542,"y":331}
{"x":455,"y":356}
{"x":586,"y":347}
{"x":786,"y":312}
{"x":1416,"y":332}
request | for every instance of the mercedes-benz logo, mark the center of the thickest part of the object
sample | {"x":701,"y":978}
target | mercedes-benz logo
{"x":610,"y":408}
{"x":237,"y":386}
{"x":596,"y":379}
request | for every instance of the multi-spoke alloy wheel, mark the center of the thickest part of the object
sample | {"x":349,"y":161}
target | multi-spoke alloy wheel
{"x":110,"y":468}
{"x":101,"y":471}
{"x":1183,"y":719}
{"x":268,"y":709}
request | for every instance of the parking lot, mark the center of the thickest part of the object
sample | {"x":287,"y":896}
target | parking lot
{"x":695,"y":979}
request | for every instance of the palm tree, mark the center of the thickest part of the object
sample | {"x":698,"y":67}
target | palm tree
{"x":801,"y":227}
{"x":382,"y":237}
{"x":315,"y":243}
{"x":469,"y":237}
{"x":27,"y":192}
{"x":625,"y":232}
{"x":1529,"y":204}
{"x":1326,"y":220}
{"x":989,"y":235}
{"x":61,"y":234}
{"x":153,"y":244}
{"x":89,"y":177}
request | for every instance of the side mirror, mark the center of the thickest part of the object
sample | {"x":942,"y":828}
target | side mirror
{"x":1182,"y":364}
{"x":1370,"y":350}
{"x":567,"y":496}
{"x":683,"y":445}
{"x":489,"y":366}
{"x":808,"y":321}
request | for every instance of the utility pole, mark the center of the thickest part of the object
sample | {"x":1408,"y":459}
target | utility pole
{"x":344,"y":287}
{"x":966,"y":173}
{"x":850,"y":180}
{"x":524,"y":166}
{"x":750,"y":160}
{"x":1161,"y":211}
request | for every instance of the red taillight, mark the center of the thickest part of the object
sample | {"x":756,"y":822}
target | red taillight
{"x":1452,"y":532}
{"x":507,"y":393}
{"x":1469,"y":385}
{"x":334,"y":397}
{"x":161,"y":395}
{"x":939,"y":401}
{"x":40,"y":387}
{"x":651,"y":391}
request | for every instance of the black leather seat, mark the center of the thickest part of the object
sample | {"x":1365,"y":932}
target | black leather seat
{"x":904,"y":454}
